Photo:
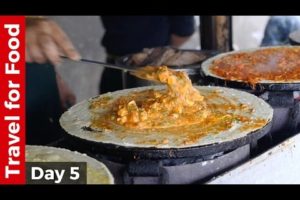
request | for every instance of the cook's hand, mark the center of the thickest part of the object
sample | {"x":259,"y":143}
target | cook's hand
{"x":46,"y":41}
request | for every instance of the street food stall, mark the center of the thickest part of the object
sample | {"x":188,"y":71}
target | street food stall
{"x":214,"y":115}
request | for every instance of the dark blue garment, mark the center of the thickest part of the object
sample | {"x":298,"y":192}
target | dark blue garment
{"x":278,"y":29}
{"x":131,"y":34}
{"x":43,"y":107}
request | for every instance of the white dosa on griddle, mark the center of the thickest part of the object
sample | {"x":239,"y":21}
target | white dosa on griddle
{"x":79,"y":115}
{"x":97,"y":172}
{"x":206,"y":64}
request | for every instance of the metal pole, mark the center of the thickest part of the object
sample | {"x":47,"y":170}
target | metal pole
{"x":216,"y":33}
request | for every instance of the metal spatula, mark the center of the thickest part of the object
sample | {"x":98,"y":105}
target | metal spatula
{"x":103,"y":64}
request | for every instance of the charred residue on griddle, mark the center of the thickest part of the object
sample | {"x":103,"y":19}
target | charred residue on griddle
{"x":87,"y":128}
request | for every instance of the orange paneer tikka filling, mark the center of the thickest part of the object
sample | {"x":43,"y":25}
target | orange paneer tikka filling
{"x":179,"y":105}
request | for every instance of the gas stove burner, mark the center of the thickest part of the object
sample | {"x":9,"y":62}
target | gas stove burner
{"x":167,"y":171}
{"x":286,"y":112}
{"x":163,"y":172}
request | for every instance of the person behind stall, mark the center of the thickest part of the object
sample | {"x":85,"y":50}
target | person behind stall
{"x":278,"y":29}
{"x":47,"y":95}
{"x":131,"y":34}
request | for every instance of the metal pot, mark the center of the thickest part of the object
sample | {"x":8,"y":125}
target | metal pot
{"x":294,"y":38}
